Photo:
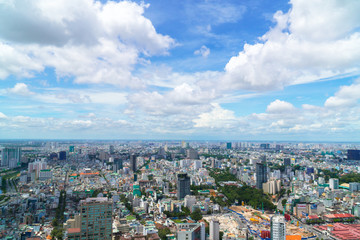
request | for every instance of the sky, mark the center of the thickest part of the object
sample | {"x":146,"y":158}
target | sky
{"x":193,"y":70}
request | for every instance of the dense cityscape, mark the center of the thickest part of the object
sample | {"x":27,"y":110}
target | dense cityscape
{"x":179,"y":120}
{"x":185,"y":190}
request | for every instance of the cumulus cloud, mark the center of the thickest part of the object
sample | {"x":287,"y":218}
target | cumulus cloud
{"x":203,"y":51}
{"x":86,"y":40}
{"x":216,"y":118}
{"x":20,"y":89}
{"x":314,"y":40}
{"x":279,"y":106}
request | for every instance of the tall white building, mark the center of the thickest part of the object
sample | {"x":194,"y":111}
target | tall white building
{"x":214,"y":230}
{"x":334,"y":183}
{"x":278,"y":228}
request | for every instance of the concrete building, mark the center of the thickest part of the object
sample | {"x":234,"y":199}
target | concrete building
{"x":96,"y":218}
{"x":190,"y":231}
{"x":278,"y":228}
{"x":214,"y":230}
{"x":10,"y":157}
{"x":272,"y":187}
{"x":192,"y":154}
{"x":133,"y":165}
{"x":354,"y":186}
{"x":261,"y":175}
{"x":183,"y":185}
{"x":334,"y":183}
{"x":189,"y":201}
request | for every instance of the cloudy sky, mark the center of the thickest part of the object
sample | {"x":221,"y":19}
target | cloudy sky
{"x":190,"y":69}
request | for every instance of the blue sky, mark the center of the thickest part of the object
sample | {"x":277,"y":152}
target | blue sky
{"x":196,"y":70}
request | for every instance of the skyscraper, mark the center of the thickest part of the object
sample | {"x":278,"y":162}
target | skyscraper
{"x":62,"y":155}
{"x":261,"y":175}
{"x":228,"y":145}
{"x":287,"y":162}
{"x":214,"y":230}
{"x":183,"y":185}
{"x":278,"y":228}
{"x":334,"y":183}
{"x":133,"y":166}
{"x":96,"y":218}
{"x":11,"y":157}
{"x":353,"y":154}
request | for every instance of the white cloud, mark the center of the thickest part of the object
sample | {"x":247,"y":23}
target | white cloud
{"x":86,"y":40}
{"x":279,"y":106}
{"x":2,"y":116}
{"x":20,"y":89}
{"x":203,"y":51}
{"x":347,"y":96}
{"x":216,"y":118}
{"x":314,"y":40}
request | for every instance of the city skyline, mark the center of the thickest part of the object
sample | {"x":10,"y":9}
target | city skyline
{"x":209,"y":70}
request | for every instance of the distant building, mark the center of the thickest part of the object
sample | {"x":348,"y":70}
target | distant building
{"x":133,"y":165}
{"x":111,"y":149}
{"x":71,"y":149}
{"x":190,"y":231}
{"x":118,"y":162}
{"x":228,"y":145}
{"x":214,"y":230}
{"x":278,"y":228}
{"x":272,"y":187}
{"x":287,"y":162}
{"x":353,"y":154}
{"x":183,"y":186}
{"x":334,"y":183}
{"x":192,"y":154}
{"x":62,"y":155}
{"x":261,"y":175}
{"x":11,"y":157}
{"x":265,"y":145}
{"x":354,"y":186}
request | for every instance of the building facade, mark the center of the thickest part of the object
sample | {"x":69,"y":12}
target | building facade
{"x":96,"y":218}
{"x":183,"y":185}
{"x":278,"y":228}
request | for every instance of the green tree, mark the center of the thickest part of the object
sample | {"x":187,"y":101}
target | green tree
{"x":283,"y":202}
{"x":163,"y":232}
{"x":196,"y":215}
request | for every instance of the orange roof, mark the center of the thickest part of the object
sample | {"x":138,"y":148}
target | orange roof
{"x":73,"y":230}
{"x":48,"y":237}
{"x":293,"y":237}
{"x":73,"y":175}
{"x":95,"y":173}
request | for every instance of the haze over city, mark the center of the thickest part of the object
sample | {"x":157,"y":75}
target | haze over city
{"x":195,"y":70}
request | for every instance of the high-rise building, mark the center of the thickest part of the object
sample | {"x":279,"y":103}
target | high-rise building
{"x":354,"y":186}
{"x":214,"y":230}
{"x":228,"y":145}
{"x":353,"y":154}
{"x":133,"y":165}
{"x":118,"y":163}
{"x":261,"y":175}
{"x":62,"y":155}
{"x":11,"y":157}
{"x":278,"y":228}
{"x":190,"y":231}
{"x":71,"y":149}
{"x":192,"y":154}
{"x":334,"y":183}
{"x":287,"y":162}
{"x":111,"y":149}
{"x":183,"y":185}
{"x":96,"y":218}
